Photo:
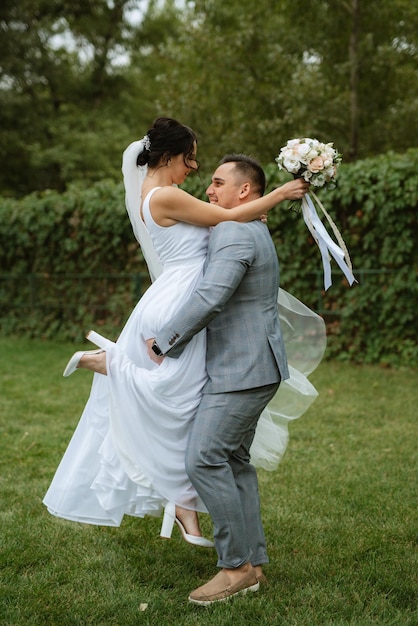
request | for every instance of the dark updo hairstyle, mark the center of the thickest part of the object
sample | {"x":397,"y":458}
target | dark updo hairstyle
{"x":168,"y":138}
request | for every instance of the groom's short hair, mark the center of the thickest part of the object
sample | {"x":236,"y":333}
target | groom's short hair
{"x":249,"y":168}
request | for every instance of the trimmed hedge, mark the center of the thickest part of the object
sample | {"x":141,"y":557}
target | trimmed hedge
{"x":70,"y":261}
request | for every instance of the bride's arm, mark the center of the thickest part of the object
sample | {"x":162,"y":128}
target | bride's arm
{"x":171,"y":205}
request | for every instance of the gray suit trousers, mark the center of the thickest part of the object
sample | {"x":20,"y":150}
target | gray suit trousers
{"x":218,"y":465}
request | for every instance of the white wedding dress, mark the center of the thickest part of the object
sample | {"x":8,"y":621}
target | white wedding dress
{"x":127,"y":453}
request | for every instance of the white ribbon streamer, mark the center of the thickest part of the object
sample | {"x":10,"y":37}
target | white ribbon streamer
{"x":326,"y":245}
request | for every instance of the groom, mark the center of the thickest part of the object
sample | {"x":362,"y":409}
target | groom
{"x":246,"y":360}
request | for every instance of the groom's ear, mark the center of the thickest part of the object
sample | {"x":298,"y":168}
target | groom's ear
{"x":245,"y":191}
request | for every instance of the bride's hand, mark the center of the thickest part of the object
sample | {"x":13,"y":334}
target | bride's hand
{"x":295,"y":189}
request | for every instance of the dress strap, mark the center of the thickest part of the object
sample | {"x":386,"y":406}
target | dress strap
{"x":146,"y":211}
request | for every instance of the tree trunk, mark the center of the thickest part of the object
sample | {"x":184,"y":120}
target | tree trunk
{"x":354,"y":71}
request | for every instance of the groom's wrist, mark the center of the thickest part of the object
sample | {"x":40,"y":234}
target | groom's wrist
{"x":156,"y":348}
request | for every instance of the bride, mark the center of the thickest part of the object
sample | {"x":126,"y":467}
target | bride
{"x":127,"y":453}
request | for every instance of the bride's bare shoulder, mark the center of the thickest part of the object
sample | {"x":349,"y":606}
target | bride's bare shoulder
{"x":170,"y":193}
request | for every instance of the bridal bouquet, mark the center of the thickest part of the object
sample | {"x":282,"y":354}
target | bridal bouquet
{"x":311,"y":160}
{"x":317,"y":163}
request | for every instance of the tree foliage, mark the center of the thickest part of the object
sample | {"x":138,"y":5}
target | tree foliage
{"x":80,"y":79}
{"x":67,"y":98}
{"x":344,"y":71}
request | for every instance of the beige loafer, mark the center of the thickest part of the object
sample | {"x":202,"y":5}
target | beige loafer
{"x":219,"y":588}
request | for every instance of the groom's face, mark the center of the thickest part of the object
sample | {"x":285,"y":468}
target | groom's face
{"x":224,"y":189}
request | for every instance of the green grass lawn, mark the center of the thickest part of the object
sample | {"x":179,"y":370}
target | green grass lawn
{"x":340,"y":513}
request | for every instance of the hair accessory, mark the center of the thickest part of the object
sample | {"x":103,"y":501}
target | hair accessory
{"x":147,"y":142}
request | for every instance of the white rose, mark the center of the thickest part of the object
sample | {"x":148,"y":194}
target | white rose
{"x":291,"y":164}
{"x":312,"y":154}
{"x":302,"y":149}
{"x":330,"y":172}
{"x":329,"y":152}
{"x":288,"y":153}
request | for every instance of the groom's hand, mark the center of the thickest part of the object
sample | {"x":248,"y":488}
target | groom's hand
{"x":157,"y":359}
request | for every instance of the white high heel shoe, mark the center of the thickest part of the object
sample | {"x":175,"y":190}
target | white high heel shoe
{"x":167,"y":528}
{"x":72,"y":364}
{"x":95,"y":338}
{"x":99,"y":340}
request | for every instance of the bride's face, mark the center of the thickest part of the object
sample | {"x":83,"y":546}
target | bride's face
{"x":191,"y":160}
{"x":183,"y":165}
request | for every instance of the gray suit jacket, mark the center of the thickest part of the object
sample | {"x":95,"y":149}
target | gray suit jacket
{"x":237,"y":301}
